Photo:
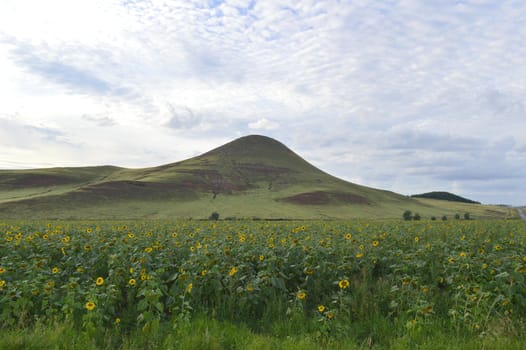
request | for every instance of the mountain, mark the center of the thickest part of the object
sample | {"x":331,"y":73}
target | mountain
{"x":445,"y":196}
{"x":251,"y":177}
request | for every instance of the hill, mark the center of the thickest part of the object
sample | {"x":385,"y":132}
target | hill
{"x":253,"y":176}
{"x":445,"y":196}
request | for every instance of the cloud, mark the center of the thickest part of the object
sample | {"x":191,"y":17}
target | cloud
{"x":70,"y":76}
{"x":14,"y":133}
{"x":263,"y":124}
{"x":99,"y":120}
{"x":181,"y":117}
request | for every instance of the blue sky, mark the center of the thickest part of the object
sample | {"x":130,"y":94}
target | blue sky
{"x":405,"y":95}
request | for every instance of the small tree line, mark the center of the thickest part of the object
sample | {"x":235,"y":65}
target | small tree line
{"x":408,"y":216}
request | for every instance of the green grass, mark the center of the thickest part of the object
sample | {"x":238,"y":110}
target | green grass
{"x":206,"y":333}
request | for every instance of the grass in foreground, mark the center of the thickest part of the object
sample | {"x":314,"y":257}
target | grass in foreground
{"x":204,"y":333}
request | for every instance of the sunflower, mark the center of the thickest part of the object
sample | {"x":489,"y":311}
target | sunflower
{"x":2,"y":270}
{"x":348,"y":236}
{"x":375,"y":243}
{"x":301,"y":295}
{"x":343,"y":284}
{"x":232,"y":271}
{"x":99,"y":281}
{"x":90,"y":305}
{"x":321,"y":308}
{"x":131,"y":282}
{"x":55,"y":270}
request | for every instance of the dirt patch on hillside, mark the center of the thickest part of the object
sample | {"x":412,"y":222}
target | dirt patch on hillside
{"x":324,"y":198}
{"x":134,"y":190}
{"x":351,"y":198}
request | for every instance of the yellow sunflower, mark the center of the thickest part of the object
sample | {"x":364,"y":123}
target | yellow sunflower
{"x":343,"y":284}
{"x":90,"y":305}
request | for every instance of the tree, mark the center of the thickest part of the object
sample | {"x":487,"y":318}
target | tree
{"x":457,"y":216}
{"x":417,"y":216}
{"x":444,"y":218}
{"x":214,"y":216}
{"x":407,"y":215}
{"x":466,"y":216}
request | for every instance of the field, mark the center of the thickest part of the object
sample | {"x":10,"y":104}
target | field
{"x":263,"y":284}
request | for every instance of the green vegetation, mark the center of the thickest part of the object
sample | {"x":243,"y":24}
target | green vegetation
{"x":445,"y":196}
{"x":408,"y":215}
{"x":263,"y":285}
{"x":250,"y":177}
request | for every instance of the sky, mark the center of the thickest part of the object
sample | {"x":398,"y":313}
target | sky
{"x":409,"y":96}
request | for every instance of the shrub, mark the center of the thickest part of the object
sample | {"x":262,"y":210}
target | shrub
{"x":407,"y":215}
{"x":214,"y":216}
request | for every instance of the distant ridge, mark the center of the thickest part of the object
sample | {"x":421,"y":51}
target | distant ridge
{"x":446,"y":196}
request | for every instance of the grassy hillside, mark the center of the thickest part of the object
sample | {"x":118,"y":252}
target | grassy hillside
{"x":253,"y":176}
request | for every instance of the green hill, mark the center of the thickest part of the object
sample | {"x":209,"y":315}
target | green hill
{"x":253,"y":176}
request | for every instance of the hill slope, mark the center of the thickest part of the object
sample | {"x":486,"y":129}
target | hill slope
{"x":253,"y":176}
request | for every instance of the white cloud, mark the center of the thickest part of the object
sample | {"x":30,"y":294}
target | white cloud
{"x":263,"y":124}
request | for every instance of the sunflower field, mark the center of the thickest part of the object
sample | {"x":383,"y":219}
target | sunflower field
{"x":467,"y":276}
